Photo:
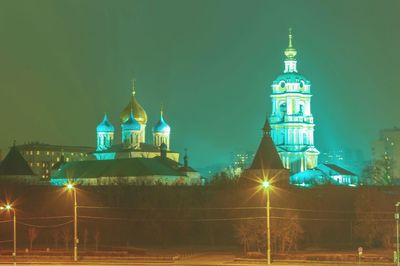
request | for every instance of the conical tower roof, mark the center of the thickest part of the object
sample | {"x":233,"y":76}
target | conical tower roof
{"x":162,"y":126}
{"x":266,"y":157}
{"x":131,"y":124}
{"x":105,"y":125}
{"x":15,"y":164}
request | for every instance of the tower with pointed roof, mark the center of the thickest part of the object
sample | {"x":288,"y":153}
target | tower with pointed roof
{"x":139,"y":114}
{"x":291,"y":120}
{"x":267,"y":162}
{"x":105,"y":134}
{"x":161,"y":132}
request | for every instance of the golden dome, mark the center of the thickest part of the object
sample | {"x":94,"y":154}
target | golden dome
{"x":133,"y":106}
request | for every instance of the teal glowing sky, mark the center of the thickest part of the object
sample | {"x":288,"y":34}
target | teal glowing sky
{"x":210,"y":63}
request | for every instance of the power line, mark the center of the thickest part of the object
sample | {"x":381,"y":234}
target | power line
{"x":230,"y":219}
{"x":231,"y":208}
{"x":45,"y":226}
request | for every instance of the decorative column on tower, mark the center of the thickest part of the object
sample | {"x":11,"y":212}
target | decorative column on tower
{"x":138,"y":112}
{"x":161,"y":132}
{"x":105,"y":135}
{"x":291,"y":120}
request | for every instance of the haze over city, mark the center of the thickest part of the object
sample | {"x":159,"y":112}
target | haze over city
{"x":209,"y":63}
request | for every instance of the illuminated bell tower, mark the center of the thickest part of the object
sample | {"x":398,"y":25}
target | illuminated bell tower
{"x":291,"y":120}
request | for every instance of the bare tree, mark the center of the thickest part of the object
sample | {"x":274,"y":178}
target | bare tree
{"x":33,"y":233}
{"x":97,"y":238}
{"x":243,"y":231}
{"x":65,"y":235}
{"x":55,"y":235}
{"x":85,"y":238}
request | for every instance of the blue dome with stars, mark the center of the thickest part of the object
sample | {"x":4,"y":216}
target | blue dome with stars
{"x":162,"y":126}
{"x":131,"y":124}
{"x":105,"y":125}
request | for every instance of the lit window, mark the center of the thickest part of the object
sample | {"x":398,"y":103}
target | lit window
{"x":37,"y":164}
{"x":37,"y":152}
{"x":27,"y":152}
{"x":31,"y":152}
{"x":67,"y":159}
{"x":52,"y":153}
{"x":58,"y":159}
{"x":43,"y":164}
{"x":48,"y":153}
{"x":81,"y":154}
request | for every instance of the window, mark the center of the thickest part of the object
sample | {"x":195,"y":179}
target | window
{"x":37,"y":152}
{"x":283,"y":108}
{"x":301,"y":109}
{"x":48,"y":153}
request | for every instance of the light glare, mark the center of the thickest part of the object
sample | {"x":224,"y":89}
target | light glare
{"x":265,"y":184}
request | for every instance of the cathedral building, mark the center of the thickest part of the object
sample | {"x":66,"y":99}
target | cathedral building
{"x":291,"y":119}
{"x":133,"y":144}
{"x":130,"y":161}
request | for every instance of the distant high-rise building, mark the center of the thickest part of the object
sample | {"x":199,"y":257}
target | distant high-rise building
{"x":350,"y":159}
{"x":291,"y":120}
{"x":387,"y":150}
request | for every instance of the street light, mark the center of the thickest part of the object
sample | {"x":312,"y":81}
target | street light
{"x":396,"y":216}
{"x":267,"y":186}
{"x":8,"y":207}
{"x":70,"y":186}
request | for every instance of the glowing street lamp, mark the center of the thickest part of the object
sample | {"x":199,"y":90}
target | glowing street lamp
{"x":267,"y":186}
{"x":8,"y":207}
{"x":70,"y":187}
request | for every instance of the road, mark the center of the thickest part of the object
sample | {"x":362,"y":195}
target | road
{"x":205,"y":259}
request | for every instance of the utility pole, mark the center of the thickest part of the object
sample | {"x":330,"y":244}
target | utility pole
{"x":75,"y":227}
{"x":70,"y":186}
{"x":396,"y":216}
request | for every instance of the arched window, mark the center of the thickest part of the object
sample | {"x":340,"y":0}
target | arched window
{"x":305,"y":139}
{"x":301,"y":109}
{"x":283,"y":108}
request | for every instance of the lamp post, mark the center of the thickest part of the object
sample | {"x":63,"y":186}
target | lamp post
{"x":8,"y":207}
{"x":396,"y":216}
{"x":267,"y":187}
{"x":70,"y":187}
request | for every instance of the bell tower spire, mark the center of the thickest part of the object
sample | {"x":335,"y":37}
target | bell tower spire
{"x":290,"y":53}
{"x":133,"y":87}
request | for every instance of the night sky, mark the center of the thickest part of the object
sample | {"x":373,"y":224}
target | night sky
{"x":210,"y":63}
